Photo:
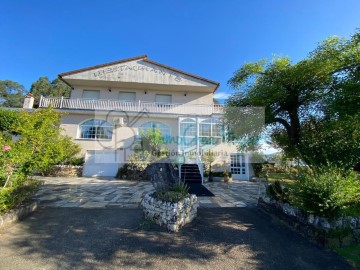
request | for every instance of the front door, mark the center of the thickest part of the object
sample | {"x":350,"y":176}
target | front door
{"x":239,"y":167}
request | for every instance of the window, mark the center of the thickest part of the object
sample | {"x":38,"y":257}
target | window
{"x":210,"y":132}
{"x":91,"y":94}
{"x":164,"y":99}
{"x":187,"y":133}
{"x":96,"y":129}
{"x":127,"y":96}
{"x":165,"y":130}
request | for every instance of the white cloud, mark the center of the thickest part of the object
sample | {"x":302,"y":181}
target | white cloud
{"x":221,"y":95}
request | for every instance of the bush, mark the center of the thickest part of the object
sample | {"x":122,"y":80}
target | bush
{"x":217,"y":174}
{"x":75,"y":161}
{"x":170,"y":196}
{"x":328,"y":192}
{"x":175,"y":194}
{"x":15,"y":196}
{"x":277,"y":192}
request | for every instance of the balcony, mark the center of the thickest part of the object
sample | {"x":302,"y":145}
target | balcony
{"x":140,"y":106}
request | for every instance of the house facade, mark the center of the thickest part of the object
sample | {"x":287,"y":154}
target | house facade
{"x":112,"y":104}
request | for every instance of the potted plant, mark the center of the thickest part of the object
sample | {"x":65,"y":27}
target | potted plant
{"x":226,"y":176}
{"x":208,"y":158}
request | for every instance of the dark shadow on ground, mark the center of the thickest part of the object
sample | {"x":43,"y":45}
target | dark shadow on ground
{"x":219,"y":238}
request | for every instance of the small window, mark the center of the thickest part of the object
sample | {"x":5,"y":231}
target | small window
{"x":96,"y":129}
{"x":164,"y":99}
{"x":127,"y":96}
{"x":91,"y":94}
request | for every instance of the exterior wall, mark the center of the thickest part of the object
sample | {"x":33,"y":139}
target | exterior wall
{"x":177,"y":96}
{"x":123,"y":137}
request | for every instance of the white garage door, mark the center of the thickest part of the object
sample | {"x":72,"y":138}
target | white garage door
{"x":101,"y":163}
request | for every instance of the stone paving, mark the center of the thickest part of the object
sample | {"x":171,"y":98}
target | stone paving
{"x":86,"y":192}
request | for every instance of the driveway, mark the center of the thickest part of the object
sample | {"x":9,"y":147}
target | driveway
{"x":219,"y":238}
{"x":87,"y":192}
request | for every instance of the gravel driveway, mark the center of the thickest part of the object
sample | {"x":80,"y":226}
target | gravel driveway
{"x":219,"y":238}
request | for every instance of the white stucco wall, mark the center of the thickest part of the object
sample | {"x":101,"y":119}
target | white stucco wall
{"x":177,"y":96}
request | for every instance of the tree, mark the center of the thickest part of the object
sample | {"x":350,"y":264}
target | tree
{"x":153,"y":142}
{"x":209,"y":157}
{"x":11,"y":94}
{"x":297,"y":95}
{"x":43,"y":87}
{"x":38,"y":146}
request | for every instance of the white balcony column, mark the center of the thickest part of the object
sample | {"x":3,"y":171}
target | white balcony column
{"x":61,"y":101}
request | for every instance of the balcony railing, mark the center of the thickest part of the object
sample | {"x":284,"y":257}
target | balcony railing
{"x":140,"y":106}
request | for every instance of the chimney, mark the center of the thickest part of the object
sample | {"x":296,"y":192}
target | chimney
{"x":28,"y":101}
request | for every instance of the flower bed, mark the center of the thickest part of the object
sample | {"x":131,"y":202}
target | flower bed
{"x":342,"y":231}
{"x":173,"y":216}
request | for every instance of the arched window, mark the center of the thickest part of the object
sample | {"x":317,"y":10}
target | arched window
{"x":165,"y":130}
{"x":96,"y":129}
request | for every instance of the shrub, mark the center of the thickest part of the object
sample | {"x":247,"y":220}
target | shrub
{"x":328,"y":192}
{"x":15,"y":196}
{"x":181,"y":188}
{"x":75,"y":161}
{"x":175,"y":194}
{"x":277,"y":192}
{"x":170,"y":196}
{"x":218,"y":174}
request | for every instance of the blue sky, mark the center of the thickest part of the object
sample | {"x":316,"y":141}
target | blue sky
{"x":208,"y":38}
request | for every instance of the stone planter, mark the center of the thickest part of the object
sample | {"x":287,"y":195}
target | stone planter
{"x":314,"y":227}
{"x":173,"y":216}
{"x":17,"y":214}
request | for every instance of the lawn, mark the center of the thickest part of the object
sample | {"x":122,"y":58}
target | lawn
{"x":285,"y":178}
{"x":351,"y":253}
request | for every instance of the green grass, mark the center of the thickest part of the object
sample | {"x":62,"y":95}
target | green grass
{"x":351,"y":253}
{"x":284,"y":178}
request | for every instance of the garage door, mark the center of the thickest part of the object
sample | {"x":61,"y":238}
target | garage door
{"x":101,"y":163}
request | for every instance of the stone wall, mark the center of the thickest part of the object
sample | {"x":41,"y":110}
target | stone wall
{"x":65,"y":171}
{"x":17,"y":214}
{"x":170,"y":215}
{"x":324,"y":231}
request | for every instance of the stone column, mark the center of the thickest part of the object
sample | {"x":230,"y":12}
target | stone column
{"x":28,"y":101}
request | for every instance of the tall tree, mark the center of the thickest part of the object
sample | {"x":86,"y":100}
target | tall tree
{"x":11,"y":94}
{"x":296,"y":94}
{"x":43,"y":87}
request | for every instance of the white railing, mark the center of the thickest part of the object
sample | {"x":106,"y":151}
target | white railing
{"x":140,"y":106}
{"x":201,"y":168}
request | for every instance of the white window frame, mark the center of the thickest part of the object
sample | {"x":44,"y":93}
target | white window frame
{"x":93,"y":91}
{"x":125,"y":92}
{"x":163,"y":95}
{"x":101,"y":124}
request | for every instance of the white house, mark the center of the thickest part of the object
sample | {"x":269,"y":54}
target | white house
{"x":111,"y":103}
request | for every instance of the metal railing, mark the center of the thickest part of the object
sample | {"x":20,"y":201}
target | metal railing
{"x":140,"y":106}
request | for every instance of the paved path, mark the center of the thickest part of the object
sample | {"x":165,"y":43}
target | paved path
{"x":118,"y":238}
{"x":112,"y":193}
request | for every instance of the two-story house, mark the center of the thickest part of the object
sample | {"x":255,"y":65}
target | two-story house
{"x":112,"y":104}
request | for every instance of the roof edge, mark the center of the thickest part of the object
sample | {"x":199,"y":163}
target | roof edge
{"x":102,"y":65}
{"x":144,"y":58}
{"x":183,"y":72}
